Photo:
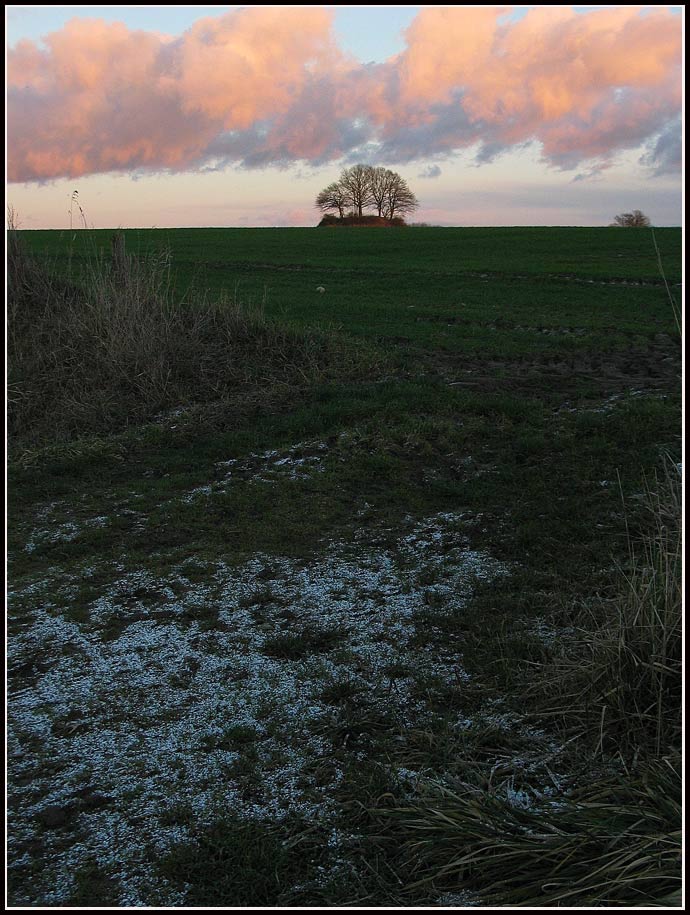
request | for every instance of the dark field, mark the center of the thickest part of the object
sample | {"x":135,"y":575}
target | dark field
{"x":260,"y":638}
{"x":536,"y":277}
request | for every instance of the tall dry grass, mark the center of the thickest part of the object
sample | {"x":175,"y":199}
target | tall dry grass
{"x":614,"y":842}
{"x":614,"y":837}
{"x":620,"y":678}
{"x":118,"y":345}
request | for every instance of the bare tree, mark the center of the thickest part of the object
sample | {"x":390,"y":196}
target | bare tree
{"x":356,"y":182}
{"x":399,"y":197}
{"x":333,"y":197}
{"x":636,"y":219}
{"x":380,"y":179}
{"x":364,"y":186}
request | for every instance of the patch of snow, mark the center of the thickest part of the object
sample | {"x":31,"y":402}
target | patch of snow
{"x":143,"y":702}
{"x":62,"y":533}
{"x":298,"y":463}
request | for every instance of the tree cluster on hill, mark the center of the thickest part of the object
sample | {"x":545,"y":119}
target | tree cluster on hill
{"x":364,"y":186}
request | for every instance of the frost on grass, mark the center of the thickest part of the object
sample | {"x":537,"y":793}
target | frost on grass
{"x":61,"y":533}
{"x":458,"y":900}
{"x":172,"y":702}
{"x":297,"y":463}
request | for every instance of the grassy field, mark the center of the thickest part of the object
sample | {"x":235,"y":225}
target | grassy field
{"x":452,"y":274}
{"x":307,"y":636}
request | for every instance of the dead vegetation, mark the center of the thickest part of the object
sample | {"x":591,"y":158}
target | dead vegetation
{"x":116,"y":345}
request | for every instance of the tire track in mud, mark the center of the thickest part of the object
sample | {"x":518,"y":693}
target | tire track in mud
{"x":656,"y":369}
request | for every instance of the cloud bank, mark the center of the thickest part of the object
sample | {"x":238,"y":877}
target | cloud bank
{"x":265,"y":86}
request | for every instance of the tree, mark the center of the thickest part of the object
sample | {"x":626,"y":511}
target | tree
{"x":364,"y":186}
{"x":356,"y":183}
{"x":380,"y":179}
{"x":399,"y":197}
{"x":333,"y":197}
{"x":636,"y":220}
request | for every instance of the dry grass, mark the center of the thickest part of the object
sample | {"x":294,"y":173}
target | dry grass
{"x":616,"y":842}
{"x":118,"y":347}
{"x":614,"y":837}
{"x":620,"y":678}
{"x":662,"y":273}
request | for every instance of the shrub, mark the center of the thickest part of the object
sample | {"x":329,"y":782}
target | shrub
{"x":634,"y":220}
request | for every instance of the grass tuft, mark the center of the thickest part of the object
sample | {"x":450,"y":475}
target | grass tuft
{"x":615,"y":842}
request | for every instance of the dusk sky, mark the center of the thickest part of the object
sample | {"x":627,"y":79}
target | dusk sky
{"x":238,"y":116}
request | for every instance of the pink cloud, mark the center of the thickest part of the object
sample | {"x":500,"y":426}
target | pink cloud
{"x":269,"y":86}
{"x":250,"y":64}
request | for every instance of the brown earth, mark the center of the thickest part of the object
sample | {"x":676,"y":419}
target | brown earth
{"x":655,"y":368}
{"x":369,"y":221}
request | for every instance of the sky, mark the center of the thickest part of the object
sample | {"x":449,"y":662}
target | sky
{"x":237,"y":116}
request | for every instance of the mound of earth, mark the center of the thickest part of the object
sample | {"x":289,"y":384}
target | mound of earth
{"x":330,"y":220}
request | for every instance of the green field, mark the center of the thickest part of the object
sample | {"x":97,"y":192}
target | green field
{"x":255,"y":639}
{"x":473,"y":276}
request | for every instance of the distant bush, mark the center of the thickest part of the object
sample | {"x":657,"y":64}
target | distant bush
{"x":634,"y":220}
